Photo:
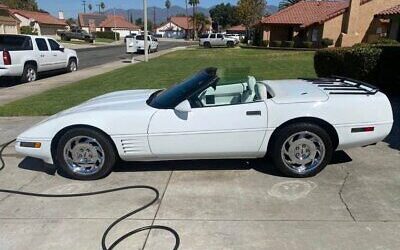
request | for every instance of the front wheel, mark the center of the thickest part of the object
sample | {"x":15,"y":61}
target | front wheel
{"x":85,"y":154}
{"x":302,"y":150}
{"x":230,"y":44}
{"x":72,"y":65}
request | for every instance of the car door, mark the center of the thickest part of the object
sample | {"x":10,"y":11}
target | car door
{"x":58,"y":56}
{"x":226,"y":131}
{"x":45,"y":58}
{"x":220,"y":41}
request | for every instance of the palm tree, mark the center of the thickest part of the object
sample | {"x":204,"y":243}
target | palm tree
{"x":194,"y":3}
{"x":102,"y":6}
{"x":167,"y":5}
{"x":90,"y":7}
{"x":286,"y":3}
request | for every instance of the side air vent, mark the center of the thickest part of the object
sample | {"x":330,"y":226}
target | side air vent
{"x":134,"y":145}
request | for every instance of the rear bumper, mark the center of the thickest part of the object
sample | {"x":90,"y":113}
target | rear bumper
{"x":349,"y":139}
{"x":11,"y":70}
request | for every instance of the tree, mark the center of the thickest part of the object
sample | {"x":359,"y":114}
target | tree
{"x":21,"y":4}
{"x":90,"y":7}
{"x":251,"y":11}
{"x":194,"y":4}
{"x":71,"y":21}
{"x":102,"y":6}
{"x":139,"y":21}
{"x":167,"y":6}
{"x":200,"y":22}
{"x":225,"y":15}
{"x":286,"y":3}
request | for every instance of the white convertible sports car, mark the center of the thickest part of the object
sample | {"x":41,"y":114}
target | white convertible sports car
{"x":298,"y":123}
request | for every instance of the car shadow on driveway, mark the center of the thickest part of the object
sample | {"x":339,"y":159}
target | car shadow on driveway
{"x":260,"y":165}
{"x":394,"y":137}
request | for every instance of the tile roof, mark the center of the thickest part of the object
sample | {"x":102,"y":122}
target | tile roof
{"x":40,"y":17}
{"x":182,"y":22}
{"x":306,"y":13}
{"x":392,"y":11}
{"x":119,"y":22}
{"x":84,"y":19}
{"x":240,"y":27}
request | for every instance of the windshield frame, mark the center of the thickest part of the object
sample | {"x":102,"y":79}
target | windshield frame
{"x":173,"y":96}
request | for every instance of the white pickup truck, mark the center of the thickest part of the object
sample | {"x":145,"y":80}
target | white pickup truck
{"x":152,"y":45}
{"x":25,"y":56}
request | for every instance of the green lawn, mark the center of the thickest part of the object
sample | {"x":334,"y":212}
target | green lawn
{"x":166,"y":70}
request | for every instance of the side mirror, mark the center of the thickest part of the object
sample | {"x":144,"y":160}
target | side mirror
{"x":184,"y":107}
{"x":62,"y":48}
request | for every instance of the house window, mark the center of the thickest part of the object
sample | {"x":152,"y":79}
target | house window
{"x":314,"y":35}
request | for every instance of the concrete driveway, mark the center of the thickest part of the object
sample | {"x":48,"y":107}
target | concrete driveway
{"x":353,"y":204}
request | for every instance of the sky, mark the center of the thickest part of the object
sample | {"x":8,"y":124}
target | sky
{"x":72,"y":7}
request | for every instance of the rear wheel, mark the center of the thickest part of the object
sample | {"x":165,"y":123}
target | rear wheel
{"x":302,"y":150}
{"x":207,"y":44}
{"x":85,"y":154}
{"x":29,"y":74}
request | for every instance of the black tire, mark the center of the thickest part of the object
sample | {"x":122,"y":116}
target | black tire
{"x":110,"y":155}
{"x":63,"y":38}
{"x":207,"y":45}
{"x":286,"y":133}
{"x":230,"y":44}
{"x":70,"y":65}
{"x":26,"y":77}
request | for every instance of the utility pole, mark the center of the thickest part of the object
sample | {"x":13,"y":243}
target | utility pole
{"x":84,"y":6}
{"x":154,"y":18}
{"x":99,"y":5}
{"x":115,"y":27}
{"x":146,"y":42}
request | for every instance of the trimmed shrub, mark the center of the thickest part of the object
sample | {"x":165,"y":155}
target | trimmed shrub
{"x":326,"y":42}
{"x":374,"y":64}
{"x":386,"y":41}
{"x":265,"y":43}
{"x":28,"y":30}
{"x":329,"y":62}
{"x":288,"y":44}
{"x":307,"y":45}
{"x":276,"y":43}
{"x":107,"y":35}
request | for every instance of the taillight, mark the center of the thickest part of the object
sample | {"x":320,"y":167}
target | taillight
{"x":6,"y":57}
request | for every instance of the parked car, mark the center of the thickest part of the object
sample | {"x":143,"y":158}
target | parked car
{"x":152,"y":43}
{"x":216,"y":39}
{"x":76,"y":33}
{"x":25,"y":56}
{"x":237,"y":37}
{"x":298,"y":123}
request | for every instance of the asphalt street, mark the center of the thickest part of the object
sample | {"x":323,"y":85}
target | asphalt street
{"x":93,"y":57}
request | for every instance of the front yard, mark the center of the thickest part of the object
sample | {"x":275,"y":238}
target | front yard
{"x":166,"y":70}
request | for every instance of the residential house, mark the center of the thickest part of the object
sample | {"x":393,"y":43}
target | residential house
{"x":95,"y":22}
{"x":179,"y":27}
{"x":238,"y":29}
{"x":9,"y":24}
{"x":346,"y":22}
{"x":392,"y":15}
{"x":43,"y":23}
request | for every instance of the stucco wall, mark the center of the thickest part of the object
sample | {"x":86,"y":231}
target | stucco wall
{"x":333,"y":28}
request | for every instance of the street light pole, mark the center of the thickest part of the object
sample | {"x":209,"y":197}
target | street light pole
{"x":146,"y":43}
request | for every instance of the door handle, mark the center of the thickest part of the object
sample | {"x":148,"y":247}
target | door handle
{"x":255,"y":112}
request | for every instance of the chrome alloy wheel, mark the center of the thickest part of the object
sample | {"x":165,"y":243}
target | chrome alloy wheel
{"x":31,"y":75}
{"x":303,"y":152}
{"x":84,"y":155}
{"x":72,"y":66}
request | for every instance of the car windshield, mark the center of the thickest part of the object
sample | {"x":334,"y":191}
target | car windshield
{"x":141,"y":38}
{"x":171,"y":97}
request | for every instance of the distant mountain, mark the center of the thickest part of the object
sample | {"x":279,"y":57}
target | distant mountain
{"x":161,"y":13}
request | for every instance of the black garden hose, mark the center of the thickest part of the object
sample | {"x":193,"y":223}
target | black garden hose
{"x":112,"y":225}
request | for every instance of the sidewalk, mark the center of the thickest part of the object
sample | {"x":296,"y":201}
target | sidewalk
{"x":17,"y":92}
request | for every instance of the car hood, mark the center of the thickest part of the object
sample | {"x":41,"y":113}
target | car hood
{"x":117,"y":101}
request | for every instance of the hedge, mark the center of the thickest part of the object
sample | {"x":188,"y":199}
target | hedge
{"x":28,"y":30}
{"x":107,"y":35}
{"x":374,"y":64}
{"x":276,"y":44}
{"x":288,"y":44}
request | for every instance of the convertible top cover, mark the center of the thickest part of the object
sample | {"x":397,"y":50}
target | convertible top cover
{"x":171,"y":97}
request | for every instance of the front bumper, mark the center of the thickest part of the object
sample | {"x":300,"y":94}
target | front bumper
{"x":44,"y":152}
